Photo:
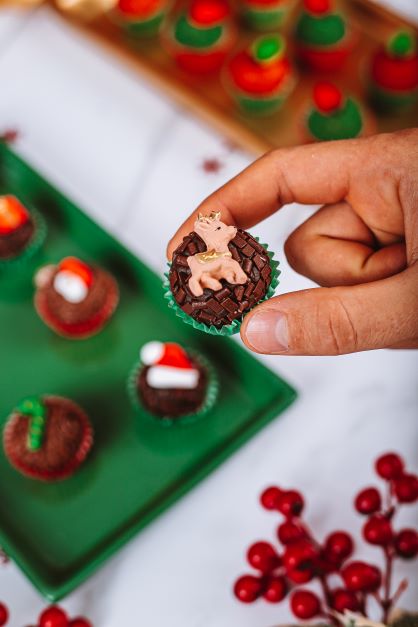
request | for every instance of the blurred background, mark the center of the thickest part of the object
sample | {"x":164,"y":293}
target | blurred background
{"x":138,"y":143}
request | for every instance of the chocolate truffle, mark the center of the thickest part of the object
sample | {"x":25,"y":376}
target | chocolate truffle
{"x":75,"y":299}
{"x":16,"y":227}
{"x":218,"y":272}
{"x":47,"y":437}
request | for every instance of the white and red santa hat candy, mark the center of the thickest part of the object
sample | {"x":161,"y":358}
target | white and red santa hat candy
{"x":169,"y":366}
{"x":73,"y":280}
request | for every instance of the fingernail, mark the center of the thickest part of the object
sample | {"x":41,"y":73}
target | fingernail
{"x":267,"y":332}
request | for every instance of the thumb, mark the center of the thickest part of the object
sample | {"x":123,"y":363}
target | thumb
{"x":337,"y":320}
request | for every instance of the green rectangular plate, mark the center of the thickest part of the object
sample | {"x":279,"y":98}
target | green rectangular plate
{"x":60,"y":533}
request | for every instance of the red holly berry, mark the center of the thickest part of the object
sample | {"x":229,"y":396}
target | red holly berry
{"x":80,"y":621}
{"x":406,"y":543}
{"x":290,"y":531}
{"x":270,"y":497}
{"x":361,"y":577}
{"x":300,"y":576}
{"x":378,"y":530}
{"x":368,"y":501}
{"x":305,"y":604}
{"x":300,"y":560}
{"x":342,"y":600}
{"x":290,"y":503}
{"x":53,"y":616}
{"x":247,"y":588}
{"x":389,"y":466}
{"x":338,"y":547}
{"x":406,"y":489}
{"x":263,"y":557}
{"x":4,"y":614}
{"x":275,"y":589}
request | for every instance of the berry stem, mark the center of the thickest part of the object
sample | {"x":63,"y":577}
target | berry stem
{"x":387,"y":584}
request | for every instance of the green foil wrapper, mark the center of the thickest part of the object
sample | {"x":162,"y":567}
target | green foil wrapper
{"x":208,"y":402}
{"x":227,"y":329}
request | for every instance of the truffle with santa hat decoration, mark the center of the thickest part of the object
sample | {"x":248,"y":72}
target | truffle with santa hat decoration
{"x":75,"y":299}
{"x":22,"y":233}
{"x":261,"y":77}
{"x":332,"y":114}
{"x":200,"y":37}
{"x":265,"y":15}
{"x":393,"y":74}
{"x":140,"y":18}
{"x":172,"y":384}
{"x":323,"y":36}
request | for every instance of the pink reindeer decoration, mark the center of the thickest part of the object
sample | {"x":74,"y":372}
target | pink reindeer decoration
{"x":216,"y":263}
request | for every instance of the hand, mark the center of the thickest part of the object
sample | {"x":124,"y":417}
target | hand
{"x":361,"y":246}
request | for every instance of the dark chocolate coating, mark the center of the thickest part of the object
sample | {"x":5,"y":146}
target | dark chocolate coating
{"x":232,"y":301}
{"x":12,"y":244}
{"x":173,"y":402}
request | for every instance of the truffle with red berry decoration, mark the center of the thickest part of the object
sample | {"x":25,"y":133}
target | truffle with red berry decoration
{"x":201,"y":36}
{"x":323,"y":36}
{"x":393,"y":74}
{"x":261,"y":77}
{"x":22,"y":232}
{"x":332,"y":115}
{"x":346,"y":584}
{"x":140,"y":18}
{"x":266,"y":15}
{"x":74,"y":298}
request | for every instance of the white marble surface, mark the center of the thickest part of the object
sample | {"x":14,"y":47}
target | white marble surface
{"x":134,"y":162}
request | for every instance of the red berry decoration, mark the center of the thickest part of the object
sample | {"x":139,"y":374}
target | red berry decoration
{"x":378,"y":530}
{"x":80,"y":621}
{"x":327,"y":97}
{"x":305,"y":604}
{"x":406,"y":489}
{"x":275,"y":589}
{"x":263,"y":557}
{"x":53,"y":616}
{"x":338,"y":547}
{"x":247,"y":589}
{"x":4,"y":614}
{"x":406,"y":543}
{"x":290,"y":531}
{"x":361,"y":577}
{"x":290,"y":503}
{"x":342,"y":600}
{"x":389,"y":466}
{"x":270,"y":498}
{"x":368,"y":501}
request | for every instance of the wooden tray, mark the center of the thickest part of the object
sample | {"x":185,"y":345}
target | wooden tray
{"x":208,"y":99}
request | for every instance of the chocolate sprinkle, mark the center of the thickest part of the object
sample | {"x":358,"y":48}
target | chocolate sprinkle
{"x":232,"y":301}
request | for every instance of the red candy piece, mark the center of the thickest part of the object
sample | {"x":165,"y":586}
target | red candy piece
{"x":269,"y":499}
{"x":389,"y":466}
{"x":327,"y":97}
{"x":138,"y":8}
{"x":13,"y":214}
{"x":263,"y":557}
{"x":378,"y":530}
{"x":406,"y":543}
{"x":77,"y":267}
{"x":209,"y":12}
{"x":258,"y":78}
{"x":53,"y":616}
{"x":291,"y":503}
{"x":361,"y":577}
{"x":406,"y":489}
{"x":4,"y":614}
{"x":368,"y":501}
{"x":275,"y":589}
{"x":247,"y":588}
{"x":317,"y":6}
{"x":80,"y":621}
{"x":305,"y":604}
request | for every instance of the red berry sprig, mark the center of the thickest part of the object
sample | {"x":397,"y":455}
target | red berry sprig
{"x":303,"y":559}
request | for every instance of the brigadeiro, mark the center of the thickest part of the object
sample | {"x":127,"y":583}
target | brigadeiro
{"x":22,"y":232}
{"x":171,"y":383}
{"x":75,"y":299}
{"x":218,"y":274}
{"x":47,"y":437}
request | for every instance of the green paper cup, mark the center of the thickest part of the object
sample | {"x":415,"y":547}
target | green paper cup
{"x":166,"y":421}
{"x":227,"y":329}
{"x":23,"y":259}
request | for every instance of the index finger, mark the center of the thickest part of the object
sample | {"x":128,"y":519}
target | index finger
{"x":310,"y":174}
